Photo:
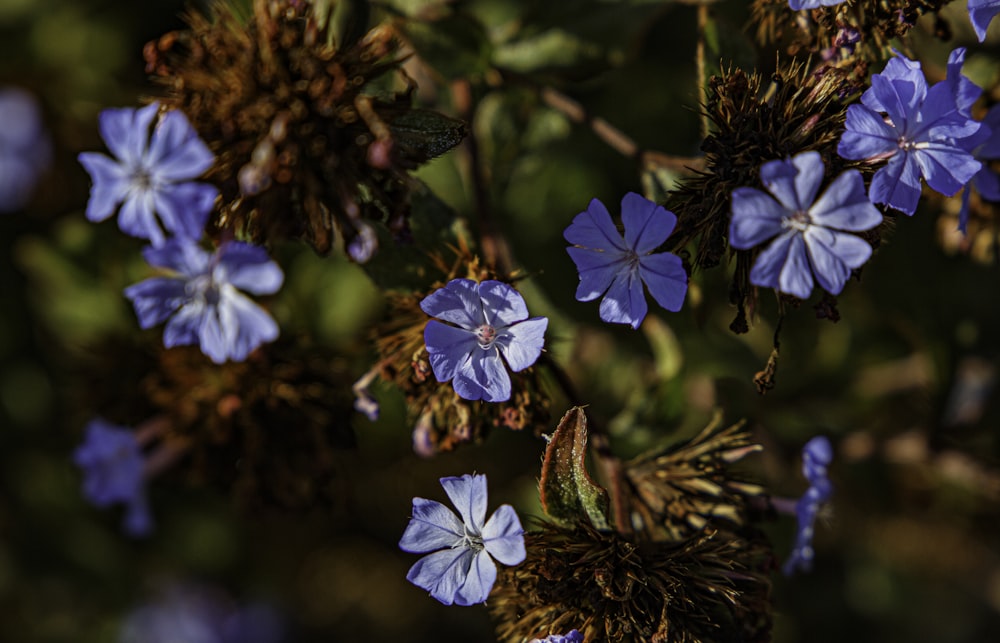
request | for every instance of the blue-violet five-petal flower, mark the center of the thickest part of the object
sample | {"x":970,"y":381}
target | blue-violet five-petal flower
{"x":461,"y":570}
{"x":485,"y":321}
{"x":812,"y":236}
{"x":798,"y":5}
{"x":113,"y":472}
{"x":817,"y":454}
{"x":919,"y":130}
{"x":151,"y":175}
{"x":573,"y":636}
{"x":201,"y":299}
{"x":986,"y":182}
{"x":616,"y":266}
{"x":25,"y":147}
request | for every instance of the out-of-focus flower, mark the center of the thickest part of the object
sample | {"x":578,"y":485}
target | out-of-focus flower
{"x":25,"y":148}
{"x":616,"y":266}
{"x":461,"y":569}
{"x":817,"y":455}
{"x":798,"y":5}
{"x":919,"y":131}
{"x":986,"y":181}
{"x":490,"y":319}
{"x":981,"y":12}
{"x":813,"y":235}
{"x":113,"y":464}
{"x":151,"y":175}
{"x":201,"y":299}
{"x":193,"y":614}
{"x":573,"y":636}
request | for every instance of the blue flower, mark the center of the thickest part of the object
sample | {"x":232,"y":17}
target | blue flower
{"x":986,"y":181}
{"x":616,"y":266}
{"x":461,"y":569}
{"x":813,"y":235}
{"x":490,"y":319}
{"x":201,"y":299}
{"x":152,"y":174}
{"x":817,"y":455}
{"x":981,"y":12}
{"x":113,"y":469}
{"x":798,"y":5}
{"x":573,"y":636}
{"x":25,"y":148}
{"x":918,"y":130}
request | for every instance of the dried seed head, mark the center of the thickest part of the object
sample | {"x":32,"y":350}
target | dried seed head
{"x":709,"y":588}
{"x":303,"y":144}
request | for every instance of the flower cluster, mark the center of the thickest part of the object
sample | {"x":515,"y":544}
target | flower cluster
{"x":817,"y":454}
{"x":461,"y":569}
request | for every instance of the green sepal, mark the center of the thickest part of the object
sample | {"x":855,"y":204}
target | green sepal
{"x":568,"y":494}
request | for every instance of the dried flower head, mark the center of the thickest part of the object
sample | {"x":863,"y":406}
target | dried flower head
{"x":754,"y":123}
{"x":303,"y":144}
{"x":848,"y":34}
{"x":612,"y":588}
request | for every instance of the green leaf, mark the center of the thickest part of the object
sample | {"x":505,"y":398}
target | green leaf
{"x":423,"y":134}
{"x":568,"y":493}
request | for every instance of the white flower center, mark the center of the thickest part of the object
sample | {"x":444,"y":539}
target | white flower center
{"x":907,"y":145}
{"x":486,"y":335}
{"x":471,"y":541}
{"x":203,"y":288}
{"x":799,"y":220}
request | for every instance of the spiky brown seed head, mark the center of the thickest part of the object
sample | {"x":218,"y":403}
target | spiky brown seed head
{"x":709,"y":588}
{"x":310,"y":136}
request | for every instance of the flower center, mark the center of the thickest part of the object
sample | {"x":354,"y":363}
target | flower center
{"x":907,"y":145}
{"x":486,"y":335}
{"x":799,"y":220}
{"x":471,"y":541}
{"x":203,"y":288}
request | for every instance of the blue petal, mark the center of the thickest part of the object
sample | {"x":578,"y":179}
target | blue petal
{"x":138,"y":521}
{"x":442,"y":573}
{"x":175,"y":151}
{"x":112,"y":464}
{"x":647,"y":225}
{"x":248,"y":268}
{"x":845,"y":205}
{"x":457,"y":302}
{"x":448,"y":348}
{"x":156,"y":299}
{"x":988,"y":184}
{"x":593,"y":229}
{"x":502,"y":305}
{"x":137,"y":218}
{"x":597,"y":270}
{"x":867,"y":135}
{"x":756,"y":218}
{"x":665,"y":278}
{"x":126,"y":131}
{"x":478,"y":581}
{"x":897,"y":184}
{"x":521,"y":344}
{"x":833,"y":255}
{"x":990,"y":148}
{"x":783,"y":265}
{"x":244,"y":324}
{"x":180,"y":254}
{"x":211,"y":334}
{"x":469,"y":495}
{"x":184,"y":327}
{"x":964,"y":90}
{"x":946,"y":168}
{"x":432,"y":527}
{"x":899,"y":91}
{"x":183,"y":208}
{"x":109,"y":185}
{"x":625,"y":302}
{"x":981,"y":12}
{"x":779,"y":179}
{"x":482,"y":377}
{"x":503,"y":536}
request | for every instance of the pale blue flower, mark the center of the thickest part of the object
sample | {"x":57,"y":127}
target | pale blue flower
{"x":798,"y":5}
{"x":918,"y":130}
{"x":817,"y":454}
{"x":201,"y":299}
{"x":487,"y":325}
{"x":616,"y":266}
{"x":573,"y":636}
{"x":812,"y":237}
{"x":985,"y":148}
{"x":113,"y":473}
{"x":151,"y":175}
{"x":461,"y":570}
{"x":25,"y":148}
